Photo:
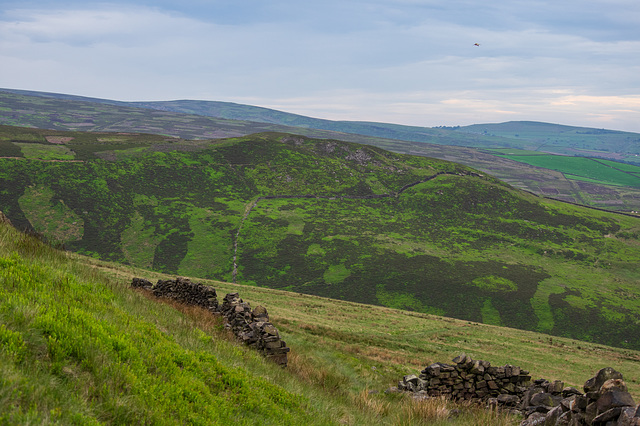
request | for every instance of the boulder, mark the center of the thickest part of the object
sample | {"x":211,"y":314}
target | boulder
{"x":594,"y":383}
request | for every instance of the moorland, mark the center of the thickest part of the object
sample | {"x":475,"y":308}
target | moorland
{"x":330,"y":218}
{"x":79,"y":346}
{"x":372,"y":263}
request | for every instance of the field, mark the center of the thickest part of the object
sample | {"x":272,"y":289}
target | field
{"x":580,"y":168}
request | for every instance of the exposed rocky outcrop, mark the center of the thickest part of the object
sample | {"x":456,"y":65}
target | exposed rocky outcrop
{"x":250,"y":326}
{"x":605,"y":400}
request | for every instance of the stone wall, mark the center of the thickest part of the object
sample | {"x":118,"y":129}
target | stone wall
{"x":250,"y":326}
{"x":468,"y":379}
{"x":605,"y":400}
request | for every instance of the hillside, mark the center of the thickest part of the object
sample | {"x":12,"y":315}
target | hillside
{"x":333,"y":219}
{"x":79,"y":346}
{"x":194,"y":121}
{"x":535,"y":136}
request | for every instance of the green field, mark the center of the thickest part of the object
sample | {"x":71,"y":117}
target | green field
{"x":594,"y":170}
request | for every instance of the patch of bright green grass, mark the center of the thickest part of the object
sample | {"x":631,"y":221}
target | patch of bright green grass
{"x":52,"y":218}
{"x":35,"y":151}
{"x":580,"y":168}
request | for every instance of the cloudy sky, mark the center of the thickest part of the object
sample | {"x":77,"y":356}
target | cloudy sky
{"x":414,"y":62}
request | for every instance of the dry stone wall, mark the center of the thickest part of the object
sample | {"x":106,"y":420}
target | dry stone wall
{"x":250,"y":326}
{"x":605,"y":400}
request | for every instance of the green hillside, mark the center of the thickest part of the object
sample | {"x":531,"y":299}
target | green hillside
{"x":334,"y":219}
{"x":204,"y":119}
{"x":79,"y":346}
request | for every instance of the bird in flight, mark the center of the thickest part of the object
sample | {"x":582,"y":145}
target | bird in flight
{"x":476,"y":44}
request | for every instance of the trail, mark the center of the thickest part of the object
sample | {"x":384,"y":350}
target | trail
{"x":235,"y":241}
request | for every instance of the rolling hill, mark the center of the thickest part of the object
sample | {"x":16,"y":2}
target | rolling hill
{"x":330,"y":218}
{"x":199,"y":119}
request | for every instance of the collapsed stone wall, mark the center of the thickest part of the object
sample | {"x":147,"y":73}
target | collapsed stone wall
{"x":605,"y":401}
{"x":250,"y":326}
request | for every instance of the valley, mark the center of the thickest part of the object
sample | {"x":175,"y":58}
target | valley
{"x":334,"y":219}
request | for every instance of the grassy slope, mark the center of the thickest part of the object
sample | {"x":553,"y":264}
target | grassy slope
{"x":459,"y":245}
{"x":78,"y":346}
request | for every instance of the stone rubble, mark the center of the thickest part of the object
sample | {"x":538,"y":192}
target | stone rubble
{"x":604,"y":402}
{"x":250,"y":326}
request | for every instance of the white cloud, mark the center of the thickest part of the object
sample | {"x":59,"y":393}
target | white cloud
{"x":405,"y":61}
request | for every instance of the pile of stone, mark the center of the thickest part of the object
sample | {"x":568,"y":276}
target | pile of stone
{"x":182,"y":290}
{"x":251,"y":326}
{"x":468,"y":380}
{"x":605,"y":400}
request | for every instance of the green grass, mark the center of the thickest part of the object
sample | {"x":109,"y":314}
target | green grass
{"x":36,"y":151}
{"x":79,"y":346}
{"x":588,"y":169}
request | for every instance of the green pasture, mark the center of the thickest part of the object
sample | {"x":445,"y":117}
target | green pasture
{"x":593,"y":170}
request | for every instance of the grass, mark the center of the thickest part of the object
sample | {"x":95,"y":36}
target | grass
{"x":78,"y":346}
{"x":177,"y":209}
{"x":588,"y":169}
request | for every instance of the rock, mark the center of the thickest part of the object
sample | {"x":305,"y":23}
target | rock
{"x":556,"y":387}
{"x":628,"y":417}
{"x":568,"y":391}
{"x":607,"y":416}
{"x":535,"y":419}
{"x":508,"y":400}
{"x":613,"y":385}
{"x":594,"y":383}
{"x":553,"y":415}
{"x":614,"y":399}
{"x":252,"y":327}
{"x":141,"y":283}
{"x":545,"y":399}
{"x":606,"y":400}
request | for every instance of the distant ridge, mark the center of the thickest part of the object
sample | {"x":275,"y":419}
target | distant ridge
{"x":509,"y":134}
{"x":503,"y":150}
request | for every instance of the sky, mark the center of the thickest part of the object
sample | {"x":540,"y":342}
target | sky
{"x":413,"y":62}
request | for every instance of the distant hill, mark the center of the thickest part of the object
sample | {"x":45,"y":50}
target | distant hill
{"x":330,"y":218}
{"x":68,"y":112}
{"x":531,"y":135}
